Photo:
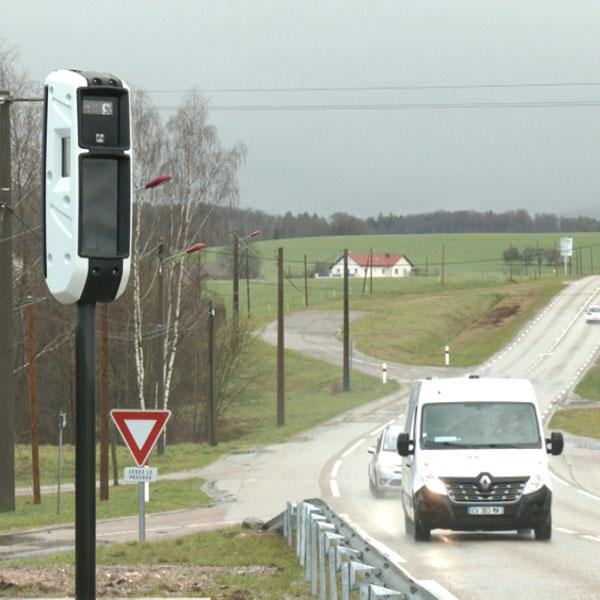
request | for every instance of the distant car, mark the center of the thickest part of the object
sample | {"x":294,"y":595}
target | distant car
{"x":385,"y":466}
{"x":592,"y":314}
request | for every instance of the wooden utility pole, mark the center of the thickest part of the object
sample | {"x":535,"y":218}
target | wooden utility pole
{"x":305,"y":282}
{"x":444,"y":265}
{"x":539,"y":260}
{"x":248,"y":280}
{"x":236,"y":287}
{"x":364,"y":285}
{"x":33,"y":403}
{"x":371,"y":281}
{"x":103,"y":413}
{"x":280,"y":342}
{"x":212,"y":405}
{"x":346,"y":356}
{"x":7,"y":418}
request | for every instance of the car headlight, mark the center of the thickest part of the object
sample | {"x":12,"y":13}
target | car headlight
{"x":534,"y":483}
{"x":435,"y":484}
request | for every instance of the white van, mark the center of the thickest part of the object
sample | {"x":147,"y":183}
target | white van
{"x":475,"y":458}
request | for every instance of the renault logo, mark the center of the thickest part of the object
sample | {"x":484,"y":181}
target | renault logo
{"x":485,"y":482}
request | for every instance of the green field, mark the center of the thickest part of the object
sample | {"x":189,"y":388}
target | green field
{"x":477,"y":254}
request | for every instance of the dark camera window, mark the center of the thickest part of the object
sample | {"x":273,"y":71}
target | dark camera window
{"x":99,"y":208}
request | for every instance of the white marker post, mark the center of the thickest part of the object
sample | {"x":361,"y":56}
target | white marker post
{"x":447,"y":356}
{"x":384,"y":373}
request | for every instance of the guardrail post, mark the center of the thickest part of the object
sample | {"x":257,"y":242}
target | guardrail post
{"x":307,"y":509}
{"x":333,"y":540}
{"x":313,"y":571}
{"x":288,"y":522}
{"x":299,"y":512}
{"x":343,"y":557}
{"x":322,"y":529}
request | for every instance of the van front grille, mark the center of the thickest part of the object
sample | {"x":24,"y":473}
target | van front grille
{"x":500,"y":490}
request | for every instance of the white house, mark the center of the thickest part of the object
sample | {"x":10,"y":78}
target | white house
{"x":381,"y":265}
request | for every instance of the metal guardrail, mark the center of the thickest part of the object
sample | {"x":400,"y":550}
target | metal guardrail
{"x":337,"y":558}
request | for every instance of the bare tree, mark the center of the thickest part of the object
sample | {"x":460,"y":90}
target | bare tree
{"x":204,"y":177}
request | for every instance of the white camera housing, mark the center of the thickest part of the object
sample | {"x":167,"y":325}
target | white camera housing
{"x":87,"y":186}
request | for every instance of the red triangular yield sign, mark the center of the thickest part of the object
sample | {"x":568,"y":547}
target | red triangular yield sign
{"x":140,"y":430}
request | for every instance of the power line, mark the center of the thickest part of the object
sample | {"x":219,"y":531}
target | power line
{"x":381,"y":88}
{"x":394,"y":106}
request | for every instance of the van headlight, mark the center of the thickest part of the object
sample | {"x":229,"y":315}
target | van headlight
{"x":435,"y":484}
{"x":533,"y":484}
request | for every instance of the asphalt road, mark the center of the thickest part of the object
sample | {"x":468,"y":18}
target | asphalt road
{"x":553,"y":351}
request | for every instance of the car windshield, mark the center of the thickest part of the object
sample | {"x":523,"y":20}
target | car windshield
{"x":390,"y":439}
{"x":479,"y":425}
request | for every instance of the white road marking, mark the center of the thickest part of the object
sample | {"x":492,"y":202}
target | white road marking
{"x":592,"y":496}
{"x":593,"y":538}
{"x":437,"y":589}
{"x":353,"y":448}
{"x":336,"y":468}
{"x":559,"y":480}
{"x":335,"y":490}
{"x":565,"y":530}
{"x":382,"y":427}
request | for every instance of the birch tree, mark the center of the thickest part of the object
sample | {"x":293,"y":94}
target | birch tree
{"x":149,"y":150}
{"x":204,"y":177}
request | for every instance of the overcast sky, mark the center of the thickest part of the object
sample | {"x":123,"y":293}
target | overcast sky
{"x":368,"y":160}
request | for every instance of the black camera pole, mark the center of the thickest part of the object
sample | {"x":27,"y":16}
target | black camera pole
{"x":85,"y":452}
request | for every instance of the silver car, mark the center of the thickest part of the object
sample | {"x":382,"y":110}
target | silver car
{"x":385,"y":466}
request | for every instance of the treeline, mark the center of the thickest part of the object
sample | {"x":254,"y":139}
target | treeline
{"x":305,"y":224}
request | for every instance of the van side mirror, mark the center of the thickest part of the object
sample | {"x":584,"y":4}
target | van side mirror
{"x":405,"y":445}
{"x":555,"y":443}
{"x":371,"y":450}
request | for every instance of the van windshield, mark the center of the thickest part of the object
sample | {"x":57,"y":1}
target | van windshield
{"x":479,"y":425}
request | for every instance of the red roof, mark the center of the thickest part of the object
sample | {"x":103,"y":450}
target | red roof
{"x":362,"y":259}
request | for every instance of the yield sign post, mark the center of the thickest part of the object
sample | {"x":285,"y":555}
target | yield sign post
{"x":140,"y":430}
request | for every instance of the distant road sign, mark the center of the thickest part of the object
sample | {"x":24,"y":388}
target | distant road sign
{"x":140,"y":430}
{"x":566,"y":246}
{"x":141,"y":474}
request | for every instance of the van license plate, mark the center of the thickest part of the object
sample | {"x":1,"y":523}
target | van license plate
{"x":485,"y":510}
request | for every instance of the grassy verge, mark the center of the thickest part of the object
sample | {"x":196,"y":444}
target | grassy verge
{"x":164,"y":496}
{"x":228,"y":564}
{"x":589,"y":386}
{"x":475,"y":323}
{"x":578,"y":421}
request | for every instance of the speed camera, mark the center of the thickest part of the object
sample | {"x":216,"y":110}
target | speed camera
{"x":87,"y":186}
